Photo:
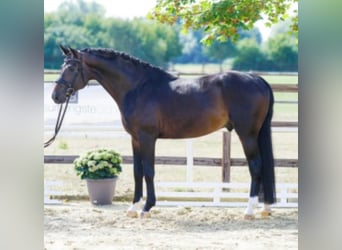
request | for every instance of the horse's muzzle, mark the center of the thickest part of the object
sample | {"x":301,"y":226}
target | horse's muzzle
{"x":58,"y":99}
{"x":59,"y":94}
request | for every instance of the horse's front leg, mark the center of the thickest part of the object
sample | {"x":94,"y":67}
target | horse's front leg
{"x":138,"y":181}
{"x":143,"y":153}
{"x":147,"y":153}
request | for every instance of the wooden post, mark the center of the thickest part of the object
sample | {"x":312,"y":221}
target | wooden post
{"x":226,"y":156}
{"x":189,"y":160}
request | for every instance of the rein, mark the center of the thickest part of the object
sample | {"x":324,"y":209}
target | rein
{"x":60,"y":118}
{"x":69,"y":92}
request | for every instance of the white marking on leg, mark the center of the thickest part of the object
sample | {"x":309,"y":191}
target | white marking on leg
{"x":145,"y":215}
{"x":252,"y":203}
{"x":266,"y":211}
{"x":267,"y":207}
{"x":132,"y":211}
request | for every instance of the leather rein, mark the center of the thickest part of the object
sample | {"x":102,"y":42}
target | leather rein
{"x":70,"y":90}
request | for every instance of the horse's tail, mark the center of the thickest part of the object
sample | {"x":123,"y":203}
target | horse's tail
{"x":267,"y":190}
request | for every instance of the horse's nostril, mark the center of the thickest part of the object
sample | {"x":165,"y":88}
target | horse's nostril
{"x":57,"y":98}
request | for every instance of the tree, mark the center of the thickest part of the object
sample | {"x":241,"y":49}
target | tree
{"x":280,"y":53}
{"x":222,"y":19}
{"x":156,"y":43}
{"x":221,"y":51}
{"x":283,"y":52}
{"x":81,"y":7}
{"x":227,"y":49}
{"x":193,"y":51}
{"x":250,"y":56}
{"x":87,"y":27}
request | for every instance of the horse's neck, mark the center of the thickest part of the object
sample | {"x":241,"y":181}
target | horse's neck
{"x":116,"y":80}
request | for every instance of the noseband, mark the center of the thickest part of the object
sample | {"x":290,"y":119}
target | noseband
{"x":71,"y":85}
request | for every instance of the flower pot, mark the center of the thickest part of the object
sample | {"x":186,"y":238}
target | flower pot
{"x":101,"y":191}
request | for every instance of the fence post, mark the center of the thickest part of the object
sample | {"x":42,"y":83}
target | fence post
{"x":189,"y":160}
{"x":226,"y":156}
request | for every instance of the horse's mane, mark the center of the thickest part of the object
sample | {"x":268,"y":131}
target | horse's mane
{"x":113,"y":54}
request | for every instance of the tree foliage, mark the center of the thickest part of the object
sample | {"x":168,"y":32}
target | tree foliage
{"x":283,"y":52}
{"x":280,"y":53}
{"x":250,"y":56}
{"x":150,"y":41}
{"x":82,"y":24}
{"x":222,"y":19}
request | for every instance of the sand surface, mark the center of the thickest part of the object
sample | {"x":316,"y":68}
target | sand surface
{"x":80,"y":225}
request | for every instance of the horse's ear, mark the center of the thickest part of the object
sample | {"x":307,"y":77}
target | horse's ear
{"x":73,"y":52}
{"x":64,"y":50}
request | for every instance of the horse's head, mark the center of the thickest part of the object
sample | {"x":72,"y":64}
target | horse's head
{"x":72,"y":78}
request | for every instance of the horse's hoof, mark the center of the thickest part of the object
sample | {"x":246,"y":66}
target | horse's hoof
{"x":249,"y":217}
{"x":265,"y":213}
{"x":145,"y":215}
{"x":132,"y":214}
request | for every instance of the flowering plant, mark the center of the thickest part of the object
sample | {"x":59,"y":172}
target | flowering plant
{"x":98,"y":164}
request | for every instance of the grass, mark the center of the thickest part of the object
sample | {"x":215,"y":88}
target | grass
{"x":285,"y":145}
{"x":50,"y":77}
{"x":279,"y":79}
{"x":63,"y":145}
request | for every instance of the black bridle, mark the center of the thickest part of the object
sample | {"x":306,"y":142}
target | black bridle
{"x":70,"y":90}
{"x":70,"y":85}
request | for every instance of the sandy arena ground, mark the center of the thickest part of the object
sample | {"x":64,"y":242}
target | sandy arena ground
{"x":80,"y":225}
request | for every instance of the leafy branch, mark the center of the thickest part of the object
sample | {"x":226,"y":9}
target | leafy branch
{"x":221,"y":19}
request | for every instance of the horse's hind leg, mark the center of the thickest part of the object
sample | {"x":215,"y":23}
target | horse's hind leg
{"x":251,"y":149}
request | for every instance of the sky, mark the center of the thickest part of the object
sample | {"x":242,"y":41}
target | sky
{"x":130,"y":9}
{"x":116,"y":8}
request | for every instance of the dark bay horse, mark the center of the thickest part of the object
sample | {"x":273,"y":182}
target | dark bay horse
{"x":155,"y":104}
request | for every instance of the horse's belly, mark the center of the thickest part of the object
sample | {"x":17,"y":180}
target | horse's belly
{"x":188,"y":127}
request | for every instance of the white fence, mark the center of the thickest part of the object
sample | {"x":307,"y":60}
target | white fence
{"x":48,"y":192}
{"x":203,"y":194}
{"x":218,"y":194}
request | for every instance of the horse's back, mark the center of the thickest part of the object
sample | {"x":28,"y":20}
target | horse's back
{"x":238,"y":84}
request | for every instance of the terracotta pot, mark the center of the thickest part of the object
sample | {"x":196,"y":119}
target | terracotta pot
{"x":101,"y":191}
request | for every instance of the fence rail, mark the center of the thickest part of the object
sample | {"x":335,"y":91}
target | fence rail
{"x":287,"y":194}
{"x":277,"y":87}
{"x":226,"y":162}
{"x":176,"y":160}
